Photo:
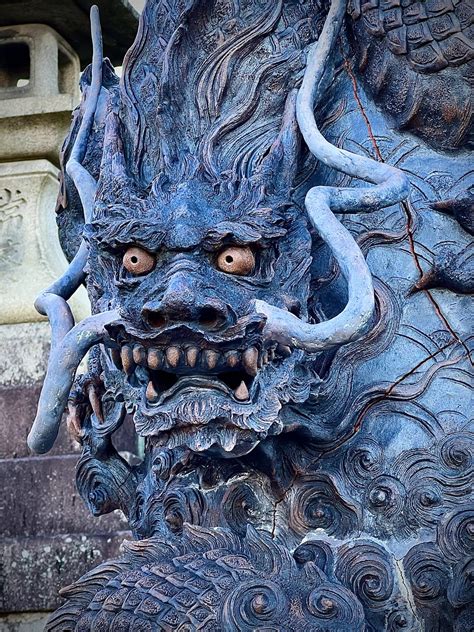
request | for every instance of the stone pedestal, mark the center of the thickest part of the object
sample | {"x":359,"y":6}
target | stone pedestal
{"x":46,"y":538}
{"x":70,"y":18}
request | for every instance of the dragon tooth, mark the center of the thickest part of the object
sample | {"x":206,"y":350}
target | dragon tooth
{"x":127,"y":359}
{"x":173,"y":356}
{"x":96,"y":402}
{"x":211,"y":358}
{"x":241,"y":392}
{"x":228,"y":440}
{"x":232,"y":359}
{"x":250,"y":360}
{"x":191,"y":356}
{"x":151,"y":393}
{"x":155,"y":359}
{"x":139,"y":355}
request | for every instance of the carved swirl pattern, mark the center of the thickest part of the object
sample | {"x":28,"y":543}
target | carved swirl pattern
{"x":457,"y":452}
{"x":363,"y":462}
{"x":415,"y":489}
{"x":427,"y":572}
{"x":401,"y":619}
{"x":182,"y":506}
{"x":385,"y":496}
{"x":367,"y":570}
{"x":318,"y":552}
{"x":315,"y":503}
{"x":254,"y":604}
{"x":241,"y":506}
{"x":337,"y":608}
{"x":456,"y":534}
{"x":461,"y":588}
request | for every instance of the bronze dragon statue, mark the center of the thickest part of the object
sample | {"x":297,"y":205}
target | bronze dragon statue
{"x":271,"y":211}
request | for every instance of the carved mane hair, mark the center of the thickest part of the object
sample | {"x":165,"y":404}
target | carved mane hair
{"x":209,"y":110}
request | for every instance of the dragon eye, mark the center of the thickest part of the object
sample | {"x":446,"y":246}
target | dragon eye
{"x":236,"y":260}
{"x":138,"y":261}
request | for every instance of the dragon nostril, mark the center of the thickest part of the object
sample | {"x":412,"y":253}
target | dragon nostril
{"x":209,"y":317}
{"x":156,"y":319}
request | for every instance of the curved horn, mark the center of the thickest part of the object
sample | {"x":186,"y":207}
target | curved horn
{"x":62,"y":367}
{"x":284,"y":327}
{"x":391,"y":187}
{"x":85,"y":183}
{"x":52,"y":302}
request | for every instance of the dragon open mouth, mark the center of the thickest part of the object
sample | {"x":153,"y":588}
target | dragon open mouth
{"x":214,"y":391}
{"x":171,"y":370}
{"x":201,"y":393}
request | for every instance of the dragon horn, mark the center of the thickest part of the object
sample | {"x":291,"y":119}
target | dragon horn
{"x":68,"y":343}
{"x":85,"y":183}
{"x":391,"y":187}
{"x":52,"y":302}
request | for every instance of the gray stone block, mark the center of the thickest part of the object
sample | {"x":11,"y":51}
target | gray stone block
{"x":71,"y":19}
{"x":32,"y":570}
{"x":39,"y":497}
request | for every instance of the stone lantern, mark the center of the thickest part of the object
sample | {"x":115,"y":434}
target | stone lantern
{"x":39,"y":74}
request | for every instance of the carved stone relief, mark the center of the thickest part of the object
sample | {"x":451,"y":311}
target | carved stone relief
{"x":11,"y":221}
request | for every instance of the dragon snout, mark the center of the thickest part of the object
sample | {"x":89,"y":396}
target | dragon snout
{"x":184,"y":301}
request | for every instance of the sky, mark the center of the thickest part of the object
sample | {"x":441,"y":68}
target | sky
{"x":138,"y":4}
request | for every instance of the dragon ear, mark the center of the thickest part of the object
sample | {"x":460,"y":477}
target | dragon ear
{"x":280,"y":165}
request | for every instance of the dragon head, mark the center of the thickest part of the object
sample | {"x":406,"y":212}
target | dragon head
{"x":196,"y":248}
{"x":184,"y":263}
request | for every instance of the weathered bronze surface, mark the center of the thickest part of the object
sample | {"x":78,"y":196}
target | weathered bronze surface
{"x":308,"y":447}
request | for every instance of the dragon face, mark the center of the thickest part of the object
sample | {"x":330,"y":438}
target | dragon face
{"x":196,"y":254}
{"x":184,"y":269}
